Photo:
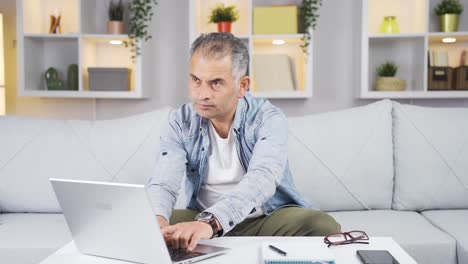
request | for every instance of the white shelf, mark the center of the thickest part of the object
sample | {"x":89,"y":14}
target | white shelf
{"x":259,"y":43}
{"x":283,"y":95}
{"x":407,"y":49}
{"x":51,"y":36}
{"x":106,"y":36}
{"x":284,"y":36}
{"x":82,"y":94}
{"x":83,"y":41}
{"x":448,"y":34}
{"x":76,"y":36}
{"x":414,"y":94}
{"x":400,"y":35}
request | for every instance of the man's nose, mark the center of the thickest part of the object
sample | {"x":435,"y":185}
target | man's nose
{"x":204,"y":91}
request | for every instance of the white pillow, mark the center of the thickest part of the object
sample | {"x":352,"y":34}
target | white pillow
{"x":431,"y":158}
{"x":343,"y":160}
{"x":122,"y":150}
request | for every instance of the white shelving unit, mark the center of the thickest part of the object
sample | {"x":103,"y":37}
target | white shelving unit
{"x":419,"y":33}
{"x":83,"y":41}
{"x":199,"y":11}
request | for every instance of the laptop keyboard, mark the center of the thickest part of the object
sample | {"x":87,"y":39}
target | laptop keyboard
{"x":178,"y":254}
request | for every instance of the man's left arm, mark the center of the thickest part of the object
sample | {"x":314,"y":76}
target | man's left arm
{"x":264,"y":174}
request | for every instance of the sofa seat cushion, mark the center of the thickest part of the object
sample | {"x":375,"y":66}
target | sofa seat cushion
{"x":454,"y":222}
{"x":29,"y":238}
{"x":423,"y":241}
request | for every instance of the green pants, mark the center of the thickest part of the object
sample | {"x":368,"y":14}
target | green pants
{"x":287,"y":221}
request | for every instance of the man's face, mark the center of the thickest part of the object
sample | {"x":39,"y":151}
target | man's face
{"x":212,"y":87}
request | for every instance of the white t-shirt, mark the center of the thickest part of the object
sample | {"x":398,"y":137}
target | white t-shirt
{"x":224,"y":170}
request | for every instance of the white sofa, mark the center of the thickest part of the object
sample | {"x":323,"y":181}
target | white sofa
{"x":385,"y":168}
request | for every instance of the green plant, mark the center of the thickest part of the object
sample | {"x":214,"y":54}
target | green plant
{"x":141,"y":16}
{"x":116,"y":11}
{"x":224,"y":14}
{"x":309,"y":12}
{"x":448,"y":7}
{"x":388,"y":69}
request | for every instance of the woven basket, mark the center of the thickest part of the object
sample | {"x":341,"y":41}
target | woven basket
{"x":390,"y":84}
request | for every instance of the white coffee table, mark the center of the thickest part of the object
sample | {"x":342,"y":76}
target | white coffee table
{"x":246,"y":250}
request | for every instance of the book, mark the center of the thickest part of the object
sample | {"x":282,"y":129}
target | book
{"x":297,"y":253}
{"x":443,"y":58}
{"x":273,"y":72}
{"x":438,"y":58}
{"x":431,"y":58}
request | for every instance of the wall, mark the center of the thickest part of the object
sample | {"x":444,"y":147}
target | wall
{"x":336,"y":73}
{"x":2,"y":70}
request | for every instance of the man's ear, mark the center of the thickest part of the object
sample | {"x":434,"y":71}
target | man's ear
{"x":243,"y":88}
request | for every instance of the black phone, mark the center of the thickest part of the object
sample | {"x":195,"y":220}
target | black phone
{"x":376,"y":257}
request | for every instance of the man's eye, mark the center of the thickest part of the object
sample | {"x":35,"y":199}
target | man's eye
{"x":216,"y":83}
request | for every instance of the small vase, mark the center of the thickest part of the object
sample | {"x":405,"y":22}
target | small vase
{"x":224,"y":27}
{"x":114,"y":27}
{"x":53,"y":81}
{"x":389,"y":25}
{"x":72,"y":77}
{"x":390,"y":84}
{"x":449,"y":23}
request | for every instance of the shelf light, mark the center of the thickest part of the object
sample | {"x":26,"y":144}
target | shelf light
{"x":449,"y":40}
{"x":115,"y":42}
{"x":278,"y":42}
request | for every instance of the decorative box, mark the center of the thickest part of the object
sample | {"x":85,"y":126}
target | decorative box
{"x":275,"y":19}
{"x":461,"y":78}
{"x":440,"y":78}
{"x":109,"y":79}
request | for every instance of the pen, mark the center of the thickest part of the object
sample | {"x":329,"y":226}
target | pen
{"x":277,"y":250}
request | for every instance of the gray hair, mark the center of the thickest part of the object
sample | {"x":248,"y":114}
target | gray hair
{"x":218,"y":45}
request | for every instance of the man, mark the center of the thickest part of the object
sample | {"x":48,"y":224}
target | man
{"x":232,"y":148}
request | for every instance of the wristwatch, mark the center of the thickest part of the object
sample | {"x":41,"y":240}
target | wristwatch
{"x":210,"y":219}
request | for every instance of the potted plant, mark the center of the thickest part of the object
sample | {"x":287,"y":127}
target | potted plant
{"x":224,"y":17}
{"x":115,"y":23}
{"x":309,"y":14}
{"x":387,"y":80}
{"x":449,"y":12}
{"x":141,"y":15}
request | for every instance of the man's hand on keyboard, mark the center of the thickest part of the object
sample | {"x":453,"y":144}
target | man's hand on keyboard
{"x":187,"y":234}
{"x":162,"y":221}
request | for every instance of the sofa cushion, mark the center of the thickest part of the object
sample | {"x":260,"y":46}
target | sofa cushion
{"x":121,"y":150}
{"x":431,"y":158}
{"x":29,"y":238}
{"x":454,"y":222}
{"x":332,"y":154}
{"x":424,"y":242}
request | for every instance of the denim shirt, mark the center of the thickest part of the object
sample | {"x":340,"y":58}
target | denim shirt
{"x":261,"y":135}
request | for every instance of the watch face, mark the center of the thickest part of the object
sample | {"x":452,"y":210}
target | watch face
{"x":205,"y":216}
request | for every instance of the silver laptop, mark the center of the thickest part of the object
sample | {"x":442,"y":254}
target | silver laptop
{"x":116,"y":221}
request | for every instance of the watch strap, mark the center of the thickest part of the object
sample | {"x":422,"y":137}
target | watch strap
{"x":210,"y":219}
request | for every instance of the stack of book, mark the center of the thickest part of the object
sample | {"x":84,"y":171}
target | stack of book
{"x":438,"y":58}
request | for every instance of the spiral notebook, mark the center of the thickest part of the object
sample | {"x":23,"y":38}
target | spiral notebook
{"x":297,"y":253}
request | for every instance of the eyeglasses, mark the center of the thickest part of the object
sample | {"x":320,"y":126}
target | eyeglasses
{"x":351,"y":237}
